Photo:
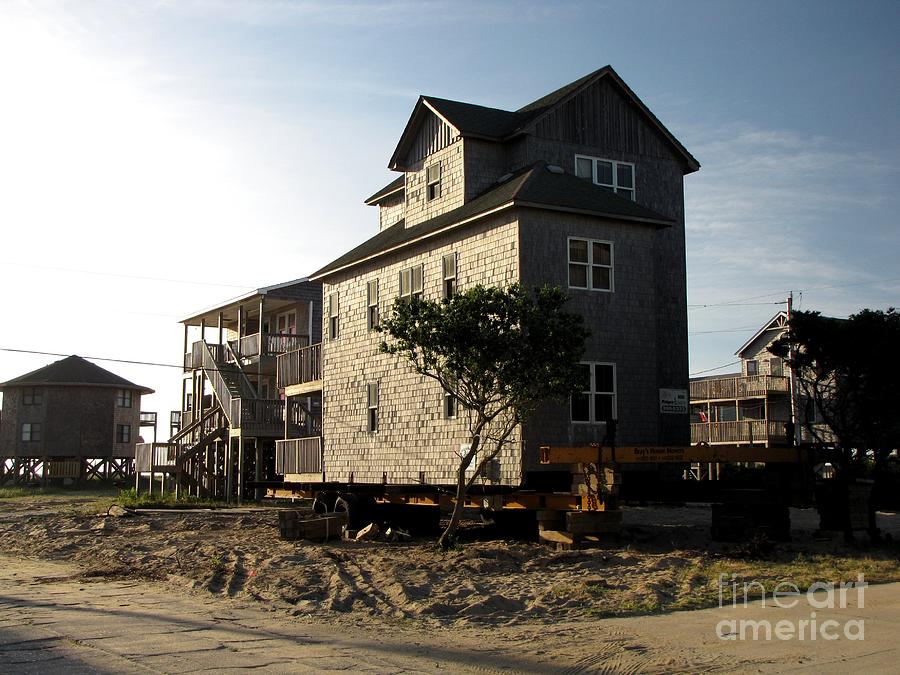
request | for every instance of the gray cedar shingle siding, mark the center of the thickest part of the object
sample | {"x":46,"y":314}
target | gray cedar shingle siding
{"x":641,"y":326}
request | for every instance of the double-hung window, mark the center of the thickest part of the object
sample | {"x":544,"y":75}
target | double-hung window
{"x":372,"y":304}
{"x":123,"y":433}
{"x":372,"y":407}
{"x":411,"y":282}
{"x":448,"y":270}
{"x":433,"y":182}
{"x":333,"y":317}
{"x":596,"y":402}
{"x":609,"y":174}
{"x":32,"y":396}
{"x":123,"y":398}
{"x":31,"y":431}
{"x":590,"y":264}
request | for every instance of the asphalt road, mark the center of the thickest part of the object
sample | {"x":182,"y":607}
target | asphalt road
{"x":54,"y":621}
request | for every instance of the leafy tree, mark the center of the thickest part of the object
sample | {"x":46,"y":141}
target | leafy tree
{"x":499,"y":352}
{"x":850,"y":370}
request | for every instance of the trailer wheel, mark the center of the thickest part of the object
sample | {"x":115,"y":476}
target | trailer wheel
{"x":360,"y":509}
{"x":325,"y":502}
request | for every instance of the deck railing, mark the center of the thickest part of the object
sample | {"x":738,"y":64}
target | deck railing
{"x":246,"y":411}
{"x":273,"y":344}
{"x":738,"y":387}
{"x":744,"y":431}
{"x":298,"y":455}
{"x":154,"y":456}
{"x":300,"y":366}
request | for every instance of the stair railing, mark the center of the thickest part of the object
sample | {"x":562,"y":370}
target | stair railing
{"x":246,"y":384}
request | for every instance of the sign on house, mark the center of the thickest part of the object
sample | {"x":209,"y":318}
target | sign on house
{"x":673,"y":401}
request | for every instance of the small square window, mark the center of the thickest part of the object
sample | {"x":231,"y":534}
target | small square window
{"x":32,"y":396}
{"x":31,"y":432}
{"x":124,"y":398}
{"x":590,"y":264}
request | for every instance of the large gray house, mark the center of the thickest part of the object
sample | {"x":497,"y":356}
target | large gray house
{"x":582,"y":188}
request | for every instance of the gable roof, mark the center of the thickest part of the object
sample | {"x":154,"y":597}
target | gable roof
{"x":536,"y":186}
{"x":395,"y":185}
{"x":73,"y":371}
{"x":777,"y":322}
{"x":495,"y":124}
{"x":287,"y":290}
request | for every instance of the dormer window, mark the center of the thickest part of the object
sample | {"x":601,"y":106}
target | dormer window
{"x":609,"y":174}
{"x":433,"y":182}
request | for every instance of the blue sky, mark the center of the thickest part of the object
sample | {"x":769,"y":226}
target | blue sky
{"x":133,"y":132}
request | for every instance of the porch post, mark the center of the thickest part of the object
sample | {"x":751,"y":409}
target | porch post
{"x":184,"y":351}
{"x":220,"y":328}
{"x":240,"y":470}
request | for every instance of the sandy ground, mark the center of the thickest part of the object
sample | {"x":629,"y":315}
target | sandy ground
{"x":55,"y":621}
{"x":664,"y":561}
{"x":495,"y":605}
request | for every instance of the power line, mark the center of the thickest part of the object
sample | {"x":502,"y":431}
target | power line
{"x":129,"y":276}
{"x":709,"y":370}
{"x":735,"y":304}
{"x":92,"y":358}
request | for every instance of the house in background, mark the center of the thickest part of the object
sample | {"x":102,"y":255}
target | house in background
{"x":752,"y":407}
{"x":232,"y":408}
{"x":71,"y":419}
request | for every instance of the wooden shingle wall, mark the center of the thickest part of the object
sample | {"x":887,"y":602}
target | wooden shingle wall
{"x":412,"y":435}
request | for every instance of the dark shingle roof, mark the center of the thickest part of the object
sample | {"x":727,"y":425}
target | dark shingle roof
{"x":498,"y":125}
{"x":393,"y":186}
{"x":477,"y":120}
{"x":73,"y":370}
{"x":533,"y":187}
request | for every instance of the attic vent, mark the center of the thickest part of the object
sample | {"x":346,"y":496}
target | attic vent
{"x":505,"y":177}
{"x":553,"y":168}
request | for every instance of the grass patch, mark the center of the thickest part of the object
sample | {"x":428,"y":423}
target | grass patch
{"x":27,"y":492}
{"x":697,"y":584}
{"x":132,"y":500}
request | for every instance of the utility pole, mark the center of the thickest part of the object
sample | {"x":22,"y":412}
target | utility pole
{"x":792,"y":384}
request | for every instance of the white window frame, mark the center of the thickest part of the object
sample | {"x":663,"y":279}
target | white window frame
{"x":372,"y":407}
{"x":590,"y":264}
{"x":432,"y":182}
{"x":124,"y":398}
{"x":286,"y":322}
{"x":414,"y":281}
{"x":334,"y":324}
{"x":614,"y":186}
{"x":593,"y":392}
{"x":372,"y":304}
{"x":450,"y":284}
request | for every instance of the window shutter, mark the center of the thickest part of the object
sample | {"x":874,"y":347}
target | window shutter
{"x":449,"y":266}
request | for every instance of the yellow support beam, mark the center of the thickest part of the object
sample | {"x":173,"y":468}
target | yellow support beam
{"x":669,"y":454}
